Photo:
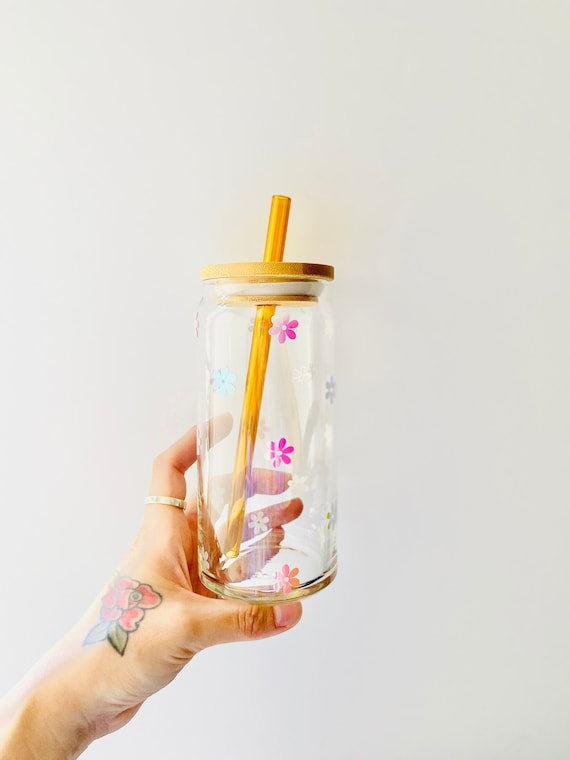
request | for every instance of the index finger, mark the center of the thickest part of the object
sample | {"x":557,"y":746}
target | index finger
{"x":170,"y":466}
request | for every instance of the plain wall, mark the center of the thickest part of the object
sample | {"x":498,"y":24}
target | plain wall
{"x":425,"y":148}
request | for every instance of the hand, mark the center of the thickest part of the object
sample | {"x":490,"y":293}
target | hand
{"x":149,"y":623}
{"x":188,"y":618}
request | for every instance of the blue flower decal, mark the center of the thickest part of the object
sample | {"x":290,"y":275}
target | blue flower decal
{"x":223,"y":381}
{"x":331,"y":389}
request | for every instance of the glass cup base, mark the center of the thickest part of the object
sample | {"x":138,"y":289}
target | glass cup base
{"x":269,"y":595}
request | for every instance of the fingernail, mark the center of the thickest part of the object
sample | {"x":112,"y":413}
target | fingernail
{"x":286,"y":615}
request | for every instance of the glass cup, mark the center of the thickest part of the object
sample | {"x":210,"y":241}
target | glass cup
{"x":267,"y":503}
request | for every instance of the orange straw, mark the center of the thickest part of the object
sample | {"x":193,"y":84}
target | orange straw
{"x":259,"y":353}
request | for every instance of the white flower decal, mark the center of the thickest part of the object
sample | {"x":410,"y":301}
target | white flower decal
{"x":258,"y":523}
{"x":204,"y":558}
{"x":299,"y":484}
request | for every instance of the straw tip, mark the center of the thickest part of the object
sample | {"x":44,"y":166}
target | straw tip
{"x":280,"y":207}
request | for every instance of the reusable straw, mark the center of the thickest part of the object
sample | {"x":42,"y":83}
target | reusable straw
{"x":259,"y":353}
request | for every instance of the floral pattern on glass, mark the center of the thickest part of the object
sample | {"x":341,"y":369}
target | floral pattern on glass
{"x":262,"y":429}
{"x":331,"y":516}
{"x":303,"y":373}
{"x":204,"y":558}
{"x":223,"y":381}
{"x":258,"y":523}
{"x":330,"y":389}
{"x":299,"y":484}
{"x":279,"y":452}
{"x":286,"y":580}
{"x":283,"y":328}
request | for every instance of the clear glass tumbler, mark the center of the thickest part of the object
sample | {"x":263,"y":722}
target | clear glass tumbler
{"x":267,"y":502}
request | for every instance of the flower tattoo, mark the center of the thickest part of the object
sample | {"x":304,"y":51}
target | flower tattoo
{"x":123,"y":607}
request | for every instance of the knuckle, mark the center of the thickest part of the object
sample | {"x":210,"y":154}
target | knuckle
{"x":252,"y":620}
{"x":159,"y":462}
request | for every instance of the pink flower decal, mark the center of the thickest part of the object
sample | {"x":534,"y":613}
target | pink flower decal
{"x":279,"y":452}
{"x":123,"y":608}
{"x":285,"y":579}
{"x":284,"y":328}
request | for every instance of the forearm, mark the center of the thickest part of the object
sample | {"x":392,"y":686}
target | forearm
{"x":61,"y":705}
{"x":83,"y":688}
{"x":47,"y":725}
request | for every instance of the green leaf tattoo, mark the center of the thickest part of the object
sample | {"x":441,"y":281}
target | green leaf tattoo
{"x":118,"y":637}
{"x":122,"y":610}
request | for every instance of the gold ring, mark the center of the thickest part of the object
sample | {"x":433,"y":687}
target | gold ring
{"x":166,"y":500}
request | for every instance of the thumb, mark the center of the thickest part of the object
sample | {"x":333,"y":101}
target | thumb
{"x":223,"y":621}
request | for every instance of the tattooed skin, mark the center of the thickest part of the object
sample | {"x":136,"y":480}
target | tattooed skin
{"x":122,"y":610}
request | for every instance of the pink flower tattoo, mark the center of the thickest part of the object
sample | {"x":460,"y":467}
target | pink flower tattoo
{"x":283,"y":328}
{"x":123,"y":608}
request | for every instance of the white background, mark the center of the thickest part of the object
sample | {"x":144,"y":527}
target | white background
{"x":425,"y":147}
